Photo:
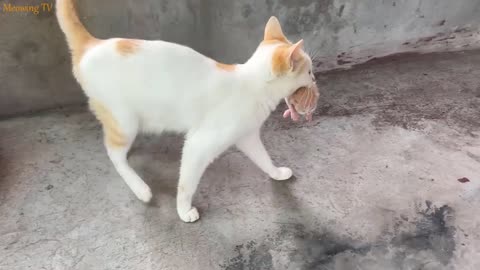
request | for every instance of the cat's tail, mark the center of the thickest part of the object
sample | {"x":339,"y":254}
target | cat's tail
{"x":77,"y":35}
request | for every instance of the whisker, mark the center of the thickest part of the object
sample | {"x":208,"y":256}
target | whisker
{"x":309,"y":51}
{"x":316,"y":56}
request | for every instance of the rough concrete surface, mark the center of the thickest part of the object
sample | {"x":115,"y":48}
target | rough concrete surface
{"x":35,"y":66}
{"x":387,"y":176}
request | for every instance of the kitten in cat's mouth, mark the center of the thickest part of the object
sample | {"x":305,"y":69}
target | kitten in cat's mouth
{"x":302,"y":102}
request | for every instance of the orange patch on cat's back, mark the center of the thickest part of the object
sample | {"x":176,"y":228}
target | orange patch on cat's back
{"x":127,"y":47}
{"x":280,"y":59}
{"x":113,"y":134}
{"x":225,"y":67}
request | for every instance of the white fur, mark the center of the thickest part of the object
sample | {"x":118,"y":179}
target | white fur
{"x":169,"y":87}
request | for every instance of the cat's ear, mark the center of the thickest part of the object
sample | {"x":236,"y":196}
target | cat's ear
{"x":295,"y":56}
{"x":273,"y":30}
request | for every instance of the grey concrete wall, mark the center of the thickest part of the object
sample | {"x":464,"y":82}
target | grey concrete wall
{"x":346,"y":32}
{"x":34,"y":63}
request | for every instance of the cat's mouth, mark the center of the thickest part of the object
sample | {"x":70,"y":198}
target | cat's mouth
{"x":302,"y":102}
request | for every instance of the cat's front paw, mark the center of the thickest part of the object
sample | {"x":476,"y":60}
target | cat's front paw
{"x":190,"y":215}
{"x":282,"y":173}
{"x":143,"y":192}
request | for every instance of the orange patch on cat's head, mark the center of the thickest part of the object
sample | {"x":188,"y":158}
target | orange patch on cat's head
{"x":225,"y":67}
{"x":287,"y":58}
{"x":127,"y":47}
{"x":280,"y":65}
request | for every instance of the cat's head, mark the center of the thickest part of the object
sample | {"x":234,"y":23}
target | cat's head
{"x":290,"y":68}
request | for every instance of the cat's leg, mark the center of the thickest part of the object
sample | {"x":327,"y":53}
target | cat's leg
{"x":118,"y":156}
{"x":200,"y":149}
{"x":252,"y":146}
{"x":120,"y":132}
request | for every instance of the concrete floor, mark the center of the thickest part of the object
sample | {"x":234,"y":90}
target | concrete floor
{"x":376,"y":184}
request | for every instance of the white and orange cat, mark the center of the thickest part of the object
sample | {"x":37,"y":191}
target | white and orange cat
{"x":154,"y":86}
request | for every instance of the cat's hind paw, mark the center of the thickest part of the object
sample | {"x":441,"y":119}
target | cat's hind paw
{"x":190,"y":216}
{"x":283,"y":173}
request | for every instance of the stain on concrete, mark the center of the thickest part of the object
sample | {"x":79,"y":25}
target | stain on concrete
{"x":25,"y":50}
{"x":250,"y":256}
{"x":316,"y":250}
{"x":473,"y":156}
{"x":438,"y":38}
{"x":432,"y":236}
{"x":340,"y":11}
{"x":304,"y":15}
{"x":463,"y":180}
{"x":441,"y":23}
{"x":246,"y":10}
{"x":462,"y":30}
{"x":343,"y":62}
{"x":344,"y":59}
{"x":269,"y":4}
{"x":164,"y":6}
{"x":446,"y":38}
{"x":311,"y":250}
{"x":429,"y":38}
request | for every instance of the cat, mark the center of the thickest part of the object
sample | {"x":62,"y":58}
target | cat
{"x":138,"y":86}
